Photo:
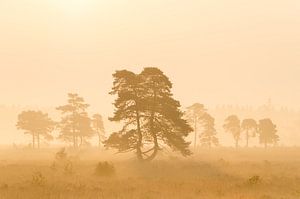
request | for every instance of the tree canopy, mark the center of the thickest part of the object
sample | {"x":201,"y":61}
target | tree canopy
{"x":267,"y":132}
{"x":249,"y":126}
{"x":194,"y":116}
{"x":233,"y":126}
{"x":208,"y":136}
{"x":75,"y":124}
{"x":36,"y":123}
{"x":98,"y":128}
{"x":152,"y":117}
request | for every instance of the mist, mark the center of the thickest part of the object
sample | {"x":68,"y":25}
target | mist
{"x":149,"y":99}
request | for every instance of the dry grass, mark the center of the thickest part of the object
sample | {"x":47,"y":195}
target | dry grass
{"x":219,"y":173}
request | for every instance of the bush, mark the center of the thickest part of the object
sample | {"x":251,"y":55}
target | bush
{"x":38,"y":179}
{"x":254,"y":180}
{"x":61,"y":155}
{"x":105,"y":169}
{"x":3,"y":186}
{"x":68,"y":168}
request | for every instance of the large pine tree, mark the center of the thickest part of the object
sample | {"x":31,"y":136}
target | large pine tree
{"x":150,"y":114}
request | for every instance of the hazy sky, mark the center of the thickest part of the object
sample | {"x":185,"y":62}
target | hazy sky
{"x":214,"y":51}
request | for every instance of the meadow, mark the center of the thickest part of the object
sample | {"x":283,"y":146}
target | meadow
{"x":223,"y":173}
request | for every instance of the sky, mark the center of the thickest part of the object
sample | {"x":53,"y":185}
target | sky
{"x":214,"y":51}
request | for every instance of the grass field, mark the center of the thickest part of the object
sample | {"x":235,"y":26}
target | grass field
{"x":212,"y":174}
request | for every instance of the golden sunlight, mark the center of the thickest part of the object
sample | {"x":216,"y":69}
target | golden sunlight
{"x":74,"y":8}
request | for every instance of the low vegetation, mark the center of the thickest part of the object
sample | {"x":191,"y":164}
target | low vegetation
{"x":208,"y":174}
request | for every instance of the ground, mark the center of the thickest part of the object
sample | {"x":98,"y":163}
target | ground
{"x":222,"y":173}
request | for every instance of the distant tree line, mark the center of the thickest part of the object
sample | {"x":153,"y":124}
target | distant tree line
{"x":200,"y":120}
{"x":152,"y":120}
{"x":265,"y":129}
{"x":75,"y":126}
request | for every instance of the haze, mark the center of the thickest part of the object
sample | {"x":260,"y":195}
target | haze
{"x":234,"y":66}
{"x":215,"y":52}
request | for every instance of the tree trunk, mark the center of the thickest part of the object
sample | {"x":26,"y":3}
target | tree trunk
{"x":74,"y":137}
{"x":152,"y":117}
{"x":140,"y":137}
{"x":76,"y":141}
{"x":247,"y":138}
{"x":195,"y":134}
{"x":74,"y":131}
{"x":99,"y":140}
{"x":33,"y":140}
{"x":154,"y":136}
{"x":38,"y":140}
{"x":81,"y":140}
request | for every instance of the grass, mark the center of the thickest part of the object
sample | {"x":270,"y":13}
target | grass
{"x":219,"y":173}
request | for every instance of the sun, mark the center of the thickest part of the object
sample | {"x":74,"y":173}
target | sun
{"x":74,"y":7}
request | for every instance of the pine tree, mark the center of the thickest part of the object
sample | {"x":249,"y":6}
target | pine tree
{"x":267,"y":132}
{"x":195,"y":114}
{"x":208,"y":136}
{"x":75,"y":123}
{"x":233,"y":126}
{"x":98,"y":127}
{"x":150,"y":114}
{"x":36,"y":123}
{"x":249,"y":126}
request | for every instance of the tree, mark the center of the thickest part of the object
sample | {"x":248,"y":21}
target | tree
{"x":85,"y":130}
{"x":98,"y":127}
{"x":194,"y":114}
{"x":150,"y":114}
{"x":75,"y":123}
{"x":267,"y":132}
{"x":128,"y":88}
{"x":232,"y":125}
{"x":208,"y":136}
{"x":249,"y":126}
{"x":36,"y":123}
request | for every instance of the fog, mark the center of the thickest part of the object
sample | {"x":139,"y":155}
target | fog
{"x":149,"y":99}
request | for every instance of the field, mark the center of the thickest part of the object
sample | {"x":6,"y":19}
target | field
{"x":223,"y":173}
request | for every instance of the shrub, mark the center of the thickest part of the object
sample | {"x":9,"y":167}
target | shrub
{"x":105,"y":169}
{"x":3,"y":186}
{"x":53,"y":166}
{"x":68,"y":168}
{"x":254,"y":180}
{"x":38,"y":179}
{"x":61,"y":155}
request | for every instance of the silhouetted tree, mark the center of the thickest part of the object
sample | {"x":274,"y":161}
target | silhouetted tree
{"x":150,"y":114}
{"x":194,"y":115}
{"x":84,"y":128}
{"x":249,"y":126}
{"x":75,"y":123}
{"x":36,"y":123}
{"x":232,"y":125}
{"x":267,"y":132}
{"x":208,"y":136}
{"x":98,"y":127}
{"x":128,"y":88}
